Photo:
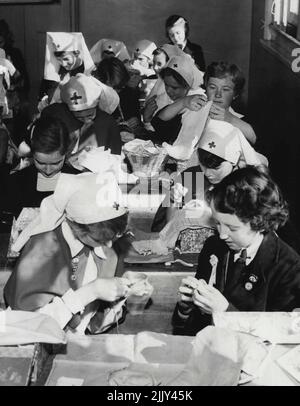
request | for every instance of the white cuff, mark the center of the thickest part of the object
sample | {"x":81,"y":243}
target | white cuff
{"x":72,"y":302}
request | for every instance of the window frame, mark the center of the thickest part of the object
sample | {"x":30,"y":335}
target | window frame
{"x":278,"y":42}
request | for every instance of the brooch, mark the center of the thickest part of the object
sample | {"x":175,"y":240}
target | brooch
{"x":251,"y":280}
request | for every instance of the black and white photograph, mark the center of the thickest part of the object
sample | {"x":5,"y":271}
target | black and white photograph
{"x":149,"y":195}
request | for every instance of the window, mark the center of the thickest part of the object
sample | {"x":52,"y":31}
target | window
{"x":285,"y":16}
{"x":282,"y":31}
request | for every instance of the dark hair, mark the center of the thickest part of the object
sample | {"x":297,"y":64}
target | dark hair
{"x":170,"y":21}
{"x":253,"y":197}
{"x":6,"y":33}
{"x":208,"y":159}
{"x":175,"y":75}
{"x":105,"y":231}
{"x":159,"y":51}
{"x":112,"y":71}
{"x":50,"y":134}
{"x":222,"y":69}
{"x":60,"y":54}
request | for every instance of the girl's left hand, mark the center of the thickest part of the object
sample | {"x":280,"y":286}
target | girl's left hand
{"x":218,"y":113}
{"x":209,"y":299}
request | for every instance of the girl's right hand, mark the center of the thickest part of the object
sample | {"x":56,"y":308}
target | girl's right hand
{"x":111,"y":289}
{"x":150,"y":109}
{"x":187,"y":287}
{"x":195,"y":102}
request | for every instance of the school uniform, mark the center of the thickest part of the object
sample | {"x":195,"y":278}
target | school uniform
{"x":270,"y":281}
{"x":196,"y":53}
{"x":45,"y":272}
{"x":53,"y":263}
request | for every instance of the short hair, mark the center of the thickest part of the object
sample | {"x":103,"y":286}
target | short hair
{"x":113,"y":71}
{"x":159,"y":51}
{"x":251,"y":195}
{"x":60,"y":54}
{"x":208,"y":159}
{"x":105,"y":231}
{"x":222,"y":69}
{"x":175,"y":75}
{"x":50,"y":134}
{"x":171,"y":20}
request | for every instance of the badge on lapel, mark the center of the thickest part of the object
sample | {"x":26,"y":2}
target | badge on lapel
{"x":250,"y":283}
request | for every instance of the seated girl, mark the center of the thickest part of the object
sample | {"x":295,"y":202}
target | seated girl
{"x":66,"y":55}
{"x":87,"y":124}
{"x":113,"y":73}
{"x":161,"y":56}
{"x":181,"y":81}
{"x":247,"y":267}
{"x":67,"y":266}
{"x":224,"y":83}
{"x":109,"y":48}
{"x":49,"y":144}
{"x":222,"y":149}
{"x":177,"y":31}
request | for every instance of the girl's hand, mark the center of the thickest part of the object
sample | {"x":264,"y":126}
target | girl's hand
{"x":219,"y":113}
{"x":149,"y":109}
{"x":186,"y":289}
{"x":112,"y":289}
{"x":195,"y":102}
{"x":209,"y":299}
{"x":133,"y":123}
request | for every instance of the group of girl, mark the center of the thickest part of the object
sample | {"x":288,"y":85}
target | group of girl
{"x":70,"y":263}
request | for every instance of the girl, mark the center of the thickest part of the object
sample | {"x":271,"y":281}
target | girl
{"x":247,"y":267}
{"x":107,"y":48}
{"x":49,"y":144}
{"x":177,"y":31}
{"x":222,"y":149}
{"x":182,"y":80}
{"x":68,"y":264}
{"x":224,"y":83}
{"x":66,"y":55}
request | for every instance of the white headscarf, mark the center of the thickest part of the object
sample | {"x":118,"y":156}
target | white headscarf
{"x":83,"y":92}
{"x":229,"y":143}
{"x":65,"y":41}
{"x":111,"y":45}
{"x":144,"y":47}
{"x":85,"y":199}
{"x":186,"y":67}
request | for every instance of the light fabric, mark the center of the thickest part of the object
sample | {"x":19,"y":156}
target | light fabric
{"x":111,"y":45}
{"x":145,"y":47}
{"x":86,"y":198}
{"x":228,"y":142}
{"x":83,"y":92}
{"x":68,"y":42}
{"x":174,"y":50}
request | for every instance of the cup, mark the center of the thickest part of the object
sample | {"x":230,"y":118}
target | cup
{"x":140,"y":292}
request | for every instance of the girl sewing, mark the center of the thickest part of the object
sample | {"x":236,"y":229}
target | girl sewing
{"x":68,"y":265}
{"x":247,"y":267}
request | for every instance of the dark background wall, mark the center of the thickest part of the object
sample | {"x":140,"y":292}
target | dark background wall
{"x":274,"y":111}
{"x":222,"y":27}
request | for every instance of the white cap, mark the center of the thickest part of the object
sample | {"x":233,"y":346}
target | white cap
{"x":186,"y":67}
{"x":145,"y":47}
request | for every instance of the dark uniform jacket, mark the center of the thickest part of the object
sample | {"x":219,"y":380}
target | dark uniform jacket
{"x":196,"y":53}
{"x":44,"y":271}
{"x":273,"y":277}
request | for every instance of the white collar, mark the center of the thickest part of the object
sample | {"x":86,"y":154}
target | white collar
{"x":252,"y":249}
{"x":75,"y":245}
